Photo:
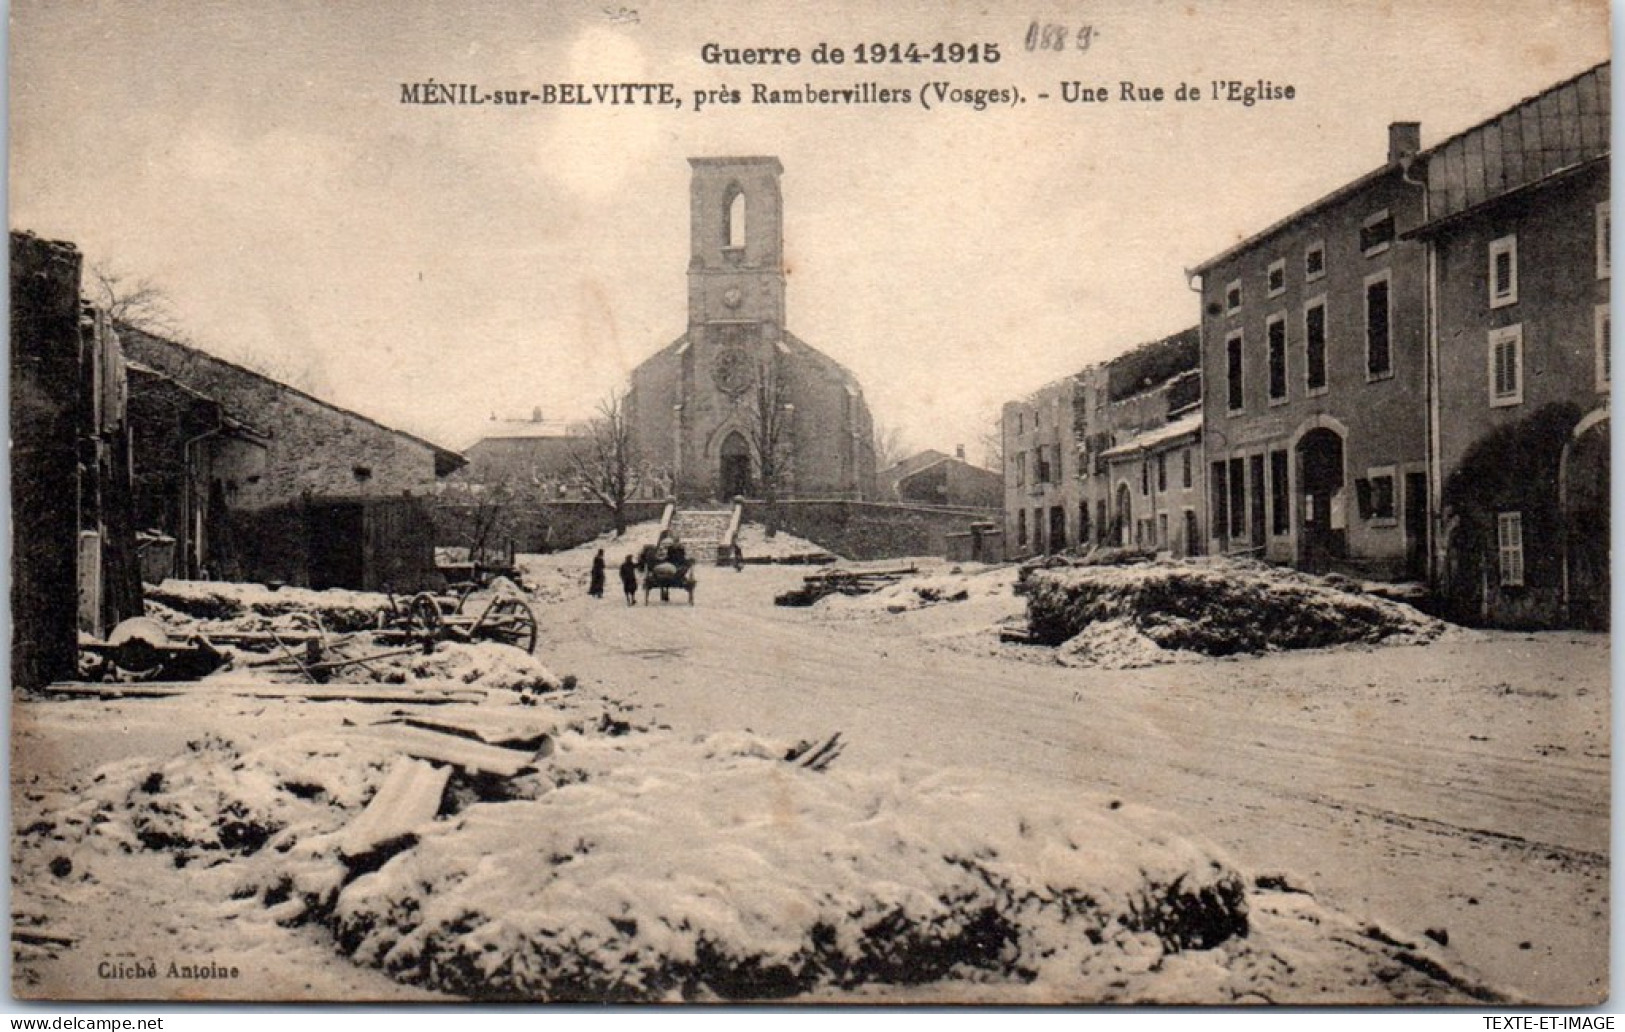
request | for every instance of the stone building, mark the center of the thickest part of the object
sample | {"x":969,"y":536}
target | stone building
{"x":1088,"y":457}
{"x":531,"y":456}
{"x":1517,"y":232}
{"x":289,"y":488}
{"x":738,"y":405}
{"x":1314,"y":359}
{"x":74,"y":565}
{"x":932,"y":477}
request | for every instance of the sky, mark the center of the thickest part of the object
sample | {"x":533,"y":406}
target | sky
{"x":434,"y":266}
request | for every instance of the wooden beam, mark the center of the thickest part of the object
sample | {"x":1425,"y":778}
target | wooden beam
{"x":444,"y":748}
{"x":408,"y":799}
{"x":382,"y":693}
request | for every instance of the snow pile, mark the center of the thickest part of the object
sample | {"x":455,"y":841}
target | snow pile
{"x":481,"y":664}
{"x":249,"y":607}
{"x":667,"y":868}
{"x":755,"y":543}
{"x":1212,"y":607}
{"x":958,"y":584}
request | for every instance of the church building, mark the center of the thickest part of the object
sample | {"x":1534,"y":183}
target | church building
{"x":738,"y":406}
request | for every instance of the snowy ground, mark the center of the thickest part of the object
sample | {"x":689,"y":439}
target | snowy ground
{"x":1366,"y":798}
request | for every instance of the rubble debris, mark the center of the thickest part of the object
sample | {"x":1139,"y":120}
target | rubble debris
{"x":1213,"y":607}
{"x":140,"y":649}
{"x":841,"y":582}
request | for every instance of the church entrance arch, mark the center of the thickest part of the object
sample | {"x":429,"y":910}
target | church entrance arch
{"x":734,"y":477}
{"x":1323,"y":529}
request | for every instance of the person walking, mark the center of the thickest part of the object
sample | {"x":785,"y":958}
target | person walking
{"x":629,"y":581}
{"x":595,"y":587}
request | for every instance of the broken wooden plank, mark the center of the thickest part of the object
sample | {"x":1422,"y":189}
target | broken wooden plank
{"x":41,"y":937}
{"x":511,"y":726}
{"x":408,"y":799}
{"x":446,"y":748}
{"x":381,"y":693}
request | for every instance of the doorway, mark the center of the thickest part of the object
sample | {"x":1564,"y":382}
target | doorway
{"x":1323,"y":533}
{"x":734,"y":479}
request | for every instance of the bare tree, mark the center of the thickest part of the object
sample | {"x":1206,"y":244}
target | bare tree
{"x":605,"y":459}
{"x":131,"y":301}
{"x":891,"y":447}
{"x":143,"y":304}
{"x":992,"y":441}
{"x":771,"y":431}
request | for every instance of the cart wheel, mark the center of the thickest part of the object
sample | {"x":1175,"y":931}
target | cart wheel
{"x":424,"y":612}
{"x":510,"y":621}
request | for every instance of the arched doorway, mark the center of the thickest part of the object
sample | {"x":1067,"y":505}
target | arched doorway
{"x":1585,"y":495}
{"x":734,"y":477}
{"x":1322,"y":532}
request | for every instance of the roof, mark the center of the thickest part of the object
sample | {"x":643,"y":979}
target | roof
{"x":528,"y":429}
{"x":446,"y":461}
{"x":1554,"y":132}
{"x":912,"y":464}
{"x":1546,"y":105}
{"x":164,"y":384}
{"x":1151,"y":439}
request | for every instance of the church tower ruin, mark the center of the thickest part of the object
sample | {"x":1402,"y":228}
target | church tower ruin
{"x":738,"y":406}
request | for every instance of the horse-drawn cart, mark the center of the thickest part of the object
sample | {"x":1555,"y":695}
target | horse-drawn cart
{"x":665,"y":568}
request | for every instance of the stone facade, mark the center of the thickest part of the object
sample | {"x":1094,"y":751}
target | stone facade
{"x":1073,"y":467}
{"x":738,"y":405}
{"x":311,"y":447}
{"x":1519,"y":231}
{"x":934,"y":478}
{"x":1314,"y":360}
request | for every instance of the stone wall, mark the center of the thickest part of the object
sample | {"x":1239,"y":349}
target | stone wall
{"x":312,"y":446}
{"x":872,"y":530}
{"x":538,"y":527}
{"x":46,"y":406}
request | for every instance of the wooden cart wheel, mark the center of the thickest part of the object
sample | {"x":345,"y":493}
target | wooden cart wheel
{"x":510,"y":621}
{"x":424,"y":612}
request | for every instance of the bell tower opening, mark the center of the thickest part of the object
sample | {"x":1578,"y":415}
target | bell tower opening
{"x":733,"y":220}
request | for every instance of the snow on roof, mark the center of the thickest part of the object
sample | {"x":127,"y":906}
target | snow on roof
{"x":1191,"y":424}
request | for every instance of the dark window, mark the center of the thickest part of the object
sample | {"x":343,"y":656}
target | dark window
{"x":1187,"y":475}
{"x":1256,"y":468}
{"x":1232,"y":297}
{"x":1314,"y":261}
{"x":1277,"y":277}
{"x":1376,"y":233}
{"x":1382,"y":497}
{"x":1378,"y":359}
{"x":1314,"y":346}
{"x":1234,"y":372}
{"x":1145,"y":476}
{"x":1280,"y":493}
{"x":1277,"y":356}
{"x":1021,"y":527}
{"x":1083,"y":523}
{"x":1162,"y":471}
{"x":1220,"y":493}
{"x":1193,"y":534}
{"x":1238,"y":498}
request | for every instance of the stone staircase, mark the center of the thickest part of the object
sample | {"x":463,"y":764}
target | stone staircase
{"x":704,"y":532}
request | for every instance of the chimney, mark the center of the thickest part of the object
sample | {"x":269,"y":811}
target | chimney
{"x":536,"y":414}
{"x":1404,"y":140}
{"x":959,"y":452}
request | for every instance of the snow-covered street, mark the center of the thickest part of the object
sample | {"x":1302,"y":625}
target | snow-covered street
{"x":1428,"y":819}
{"x":1461,"y":785}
